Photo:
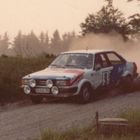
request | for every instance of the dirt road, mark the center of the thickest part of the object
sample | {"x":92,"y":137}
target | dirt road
{"x":23,"y":122}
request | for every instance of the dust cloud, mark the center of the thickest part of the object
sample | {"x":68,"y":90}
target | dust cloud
{"x":130,"y":50}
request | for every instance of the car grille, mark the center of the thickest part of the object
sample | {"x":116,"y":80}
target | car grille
{"x":41,"y":82}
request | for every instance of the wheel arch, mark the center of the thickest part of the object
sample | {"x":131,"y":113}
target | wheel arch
{"x":83,"y":83}
{"x":127,"y":73}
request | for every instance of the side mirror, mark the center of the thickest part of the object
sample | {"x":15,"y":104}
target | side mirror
{"x":98,"y":67}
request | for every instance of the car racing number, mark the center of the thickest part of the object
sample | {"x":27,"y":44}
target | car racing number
{"x":106,"y":78}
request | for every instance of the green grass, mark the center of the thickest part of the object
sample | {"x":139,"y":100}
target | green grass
{"x":89,"y":133}
{"x":133,"y":116}
{"x":70,"y":134}
{"x":80,"y":134}
{"x":12,"y":69}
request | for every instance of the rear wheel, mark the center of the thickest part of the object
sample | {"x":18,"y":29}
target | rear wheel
{"x":85,"y":94}
{"x":36,"y":99}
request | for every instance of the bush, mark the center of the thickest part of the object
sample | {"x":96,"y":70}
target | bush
{"x":133,"y":117}
{"x":11,"y":72}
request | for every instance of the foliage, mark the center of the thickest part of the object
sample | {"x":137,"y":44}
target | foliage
{"x":4,"y":43}
{"x":13,"y":69}
{"x":89,"y":133}
{"x":133,"y":116}
{"x":56,"y":42}
{"x":31,"y":45}
{"x":134,"y":23}
{"x":27,"y":45}
{"x":110,"y":19}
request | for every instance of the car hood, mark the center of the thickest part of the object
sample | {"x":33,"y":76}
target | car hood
{"x":55,"y":73}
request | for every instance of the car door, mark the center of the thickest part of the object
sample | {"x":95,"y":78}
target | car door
{"x":102,"y":71}
{"x":118,"y":64}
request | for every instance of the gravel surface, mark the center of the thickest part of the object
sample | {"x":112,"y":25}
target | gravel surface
{"x":22,"y":122}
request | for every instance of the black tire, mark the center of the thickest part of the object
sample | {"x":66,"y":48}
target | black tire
{"x":85,"y":94}
{"x":126,"y":84}
{"x":36,"y":99}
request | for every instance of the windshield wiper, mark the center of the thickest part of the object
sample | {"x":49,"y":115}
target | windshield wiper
{"x":75,"y":66}
{"x":58,"y":66}
{"x":69,"y":65}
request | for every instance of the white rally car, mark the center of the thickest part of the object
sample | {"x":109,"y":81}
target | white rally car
{"x":80,"y":73}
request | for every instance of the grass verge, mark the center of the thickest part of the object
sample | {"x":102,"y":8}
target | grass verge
{"x":11,"y":72}
{"x":89,"y":133}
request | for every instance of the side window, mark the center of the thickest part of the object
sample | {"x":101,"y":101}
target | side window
{"x":98,"y":62}
{"x":90,"y":61}
{"x":114,"y":59}
{"x":104,"y":61}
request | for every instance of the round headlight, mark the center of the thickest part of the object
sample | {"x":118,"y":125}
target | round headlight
{"x":55,"y":90}
{"x":32,"y":83}
{"x":49,"y":83}
{"x":27,"y":89}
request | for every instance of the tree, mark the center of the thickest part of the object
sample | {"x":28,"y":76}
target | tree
{"x":56,"y":37}
{"x":17,"y":44}
{"x":134,"y":23}
{"x":4,"y":43}
{"x":56,"y":42}
{"x":108,"y":19}
{"x":47,"y":43}
{"x":33,"y":44}
{"x":67,"y":39}
{"x":47,"y":39}
{"x":27,"y":45}
{"x":44,"y":42}
{"x":42,"y":38}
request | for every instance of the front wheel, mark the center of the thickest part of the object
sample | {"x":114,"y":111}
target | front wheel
{"x":85,"y":94}
{"x":36,"y":99}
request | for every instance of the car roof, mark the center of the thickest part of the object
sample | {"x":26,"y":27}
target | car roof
{"x":88,"y":51}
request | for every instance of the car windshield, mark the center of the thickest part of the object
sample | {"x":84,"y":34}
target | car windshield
{"x":73,"y":60}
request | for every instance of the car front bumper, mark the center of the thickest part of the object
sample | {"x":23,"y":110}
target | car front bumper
{"x":63,"y":92}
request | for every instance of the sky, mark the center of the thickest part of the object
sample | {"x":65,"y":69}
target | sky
{"x":48,"y":15}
